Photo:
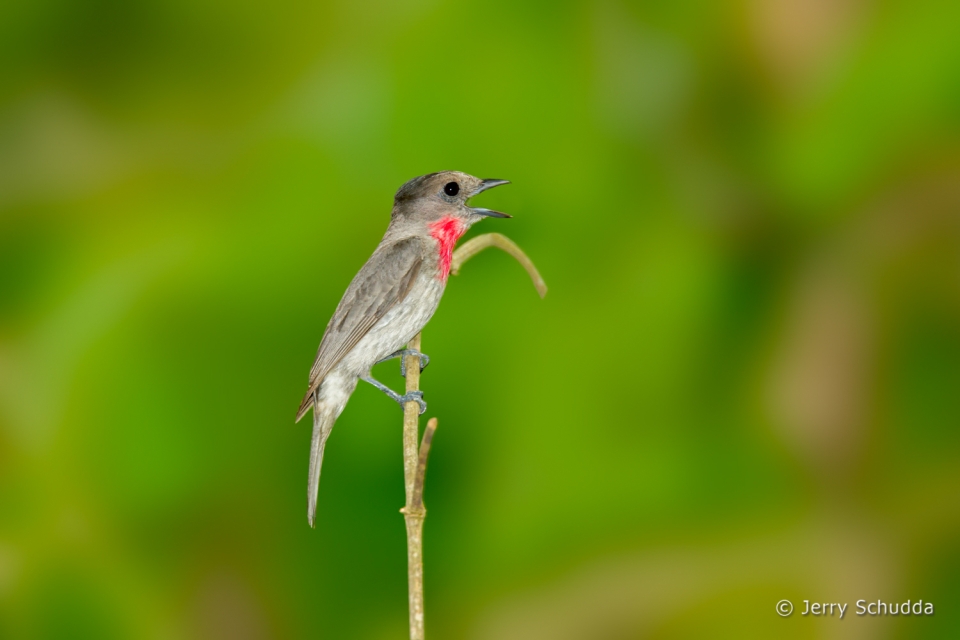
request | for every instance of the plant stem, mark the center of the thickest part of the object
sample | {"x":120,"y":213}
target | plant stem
{"x":415,"y":458}
{"x":414,"y":511}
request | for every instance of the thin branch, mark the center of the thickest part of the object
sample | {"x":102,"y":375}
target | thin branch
{"x":477,"y":244}
{"x":413,"y":512}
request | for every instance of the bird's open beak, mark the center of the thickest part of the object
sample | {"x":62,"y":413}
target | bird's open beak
{"x":489,"y":183}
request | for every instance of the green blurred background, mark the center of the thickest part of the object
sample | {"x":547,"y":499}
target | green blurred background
{"x":743,"y":385}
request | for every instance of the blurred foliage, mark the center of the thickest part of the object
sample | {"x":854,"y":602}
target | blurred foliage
{"x":744,"y":384}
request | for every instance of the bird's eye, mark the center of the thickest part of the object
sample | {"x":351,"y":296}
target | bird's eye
{"x":451,"y":188}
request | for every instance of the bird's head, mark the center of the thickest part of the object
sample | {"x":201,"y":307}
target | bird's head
{"x":443,"y":195}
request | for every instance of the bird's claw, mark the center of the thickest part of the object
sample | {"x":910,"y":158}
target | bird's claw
{"x":411,"y":396}
{"x":402,"y":353}
{"x":422,"y":357}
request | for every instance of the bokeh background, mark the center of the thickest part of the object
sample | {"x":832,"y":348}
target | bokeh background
{"x":743,"y":385}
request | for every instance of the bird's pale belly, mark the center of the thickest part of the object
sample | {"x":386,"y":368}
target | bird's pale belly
{"x":396,"y":328}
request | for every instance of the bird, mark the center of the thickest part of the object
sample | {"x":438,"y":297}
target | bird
{"x":390,"y":300}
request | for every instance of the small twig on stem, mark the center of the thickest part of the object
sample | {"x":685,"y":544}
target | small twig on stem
{"x":422,"y":464}
{"x":477,"y":244}
{"x":414,"y":458}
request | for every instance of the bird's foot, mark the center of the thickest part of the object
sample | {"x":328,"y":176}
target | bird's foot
{"x":414,"y":396}
{"x":424,"y":359}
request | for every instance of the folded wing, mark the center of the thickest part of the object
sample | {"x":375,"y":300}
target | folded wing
{"x":384,"y":281}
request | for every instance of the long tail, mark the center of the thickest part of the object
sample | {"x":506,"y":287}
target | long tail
{"x":324,"y":416}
